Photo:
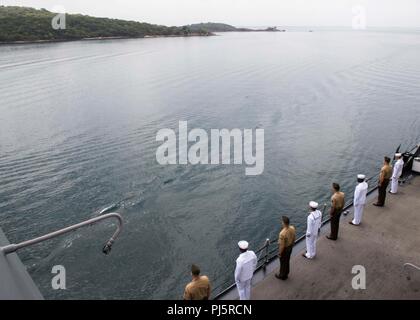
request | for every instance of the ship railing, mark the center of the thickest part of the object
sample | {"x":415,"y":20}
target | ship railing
{"x":412,"y":273}
{"x":271,"y":253}
{"x":106,"y":248}
{"x":410,"y":265}
{"x":265,"y":254}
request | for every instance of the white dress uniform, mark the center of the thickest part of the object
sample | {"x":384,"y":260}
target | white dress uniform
{"x":396,"y":174}
{"x":313,"y":225}
{"x":245,"y":267}
{"x":359,"y":200}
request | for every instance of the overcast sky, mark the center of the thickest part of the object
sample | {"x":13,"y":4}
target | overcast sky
{"x":384,"y":13}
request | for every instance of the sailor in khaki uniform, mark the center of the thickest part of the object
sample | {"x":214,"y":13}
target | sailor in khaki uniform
{"x":313,"y":225}
{"x":199,"y":288}
{"x":384,"y":176}
{"x":396,"y":173}
{"x":359,"y":200}
{"x":245,"y":267}
{"x":337,"y":205}
{"x":286,"y":242}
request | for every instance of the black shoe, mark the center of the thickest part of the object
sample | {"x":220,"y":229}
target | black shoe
{"x":278,"y":277}
{"x":330,"y":238}
{"x":378,"y":205}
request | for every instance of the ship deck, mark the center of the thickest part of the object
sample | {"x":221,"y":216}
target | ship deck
{"x":15,"y":282}
{"x":388,"y":238}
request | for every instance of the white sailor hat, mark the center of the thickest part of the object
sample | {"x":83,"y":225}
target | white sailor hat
{"x":398,"y":155}
{"x":361,"y":176}
{"x":313,"y":204}
{"x":243,"y":244}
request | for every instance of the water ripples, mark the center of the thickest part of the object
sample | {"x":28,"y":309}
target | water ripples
{"x":77,"y":135}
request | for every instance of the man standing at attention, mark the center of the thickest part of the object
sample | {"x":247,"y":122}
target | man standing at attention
{"x":337,"y":205}
{"x":287,"y":239}
{"x":396,"y":173}
{"x":245,"y":267}
{"x":384,"y":176}
{"x":359,"y":200}
{"x":199,"y":287}
{"x":312,"y":230}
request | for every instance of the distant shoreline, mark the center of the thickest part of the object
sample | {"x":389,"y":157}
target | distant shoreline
{"x":101,"y":38}
{"x":210,"y":34}
{"x":25,"y":25}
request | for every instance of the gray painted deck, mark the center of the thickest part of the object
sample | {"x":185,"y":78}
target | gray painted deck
{"x":387,"y":238}
{"x":15,"y":282}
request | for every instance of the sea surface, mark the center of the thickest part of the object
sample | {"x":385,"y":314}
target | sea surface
{"x":78,"y":124}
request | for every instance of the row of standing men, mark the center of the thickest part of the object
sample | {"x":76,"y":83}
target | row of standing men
{"x":200,"y":289}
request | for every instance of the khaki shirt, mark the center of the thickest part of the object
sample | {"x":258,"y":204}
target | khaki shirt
{"x":287,"y":237}
{"x":198,"y":289}
{"x":386,"y":173}
{"x":337,"y":200}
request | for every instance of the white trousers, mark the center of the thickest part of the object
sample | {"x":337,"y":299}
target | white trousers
{"x":311,"y":246}
{"x":394,"y":185}
{"x":358,"y":213}
{"x":244,"y":289}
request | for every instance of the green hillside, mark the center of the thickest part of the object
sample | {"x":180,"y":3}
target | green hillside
{"x":215,"y":27}
{"x":28,"y":24}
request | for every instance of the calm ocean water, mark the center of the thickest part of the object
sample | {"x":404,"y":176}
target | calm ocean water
{"x":78,"y":123}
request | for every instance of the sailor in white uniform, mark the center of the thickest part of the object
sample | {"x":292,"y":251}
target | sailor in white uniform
{"x":359,"y":200}
{"x":313,"y":225}
{"x":245,"y":267}
{"x":396,"y":173}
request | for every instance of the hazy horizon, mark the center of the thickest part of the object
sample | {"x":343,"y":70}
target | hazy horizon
{"x":243,"y":13}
